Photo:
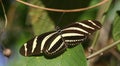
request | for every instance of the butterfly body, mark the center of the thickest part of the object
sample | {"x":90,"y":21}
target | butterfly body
{"x":56,"y":42}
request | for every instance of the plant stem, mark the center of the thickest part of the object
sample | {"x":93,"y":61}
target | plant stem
{"x":104,"y":49}
{"x":95,"y":40}
{"x":102,"y":20}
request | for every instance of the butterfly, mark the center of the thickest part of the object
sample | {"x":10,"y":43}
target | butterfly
{"x":54,"y":43}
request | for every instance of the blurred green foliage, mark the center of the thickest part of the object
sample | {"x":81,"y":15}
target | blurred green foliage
{"x":116,"y":28}
{"x":28,"y":21}
{"x":25,"y":22}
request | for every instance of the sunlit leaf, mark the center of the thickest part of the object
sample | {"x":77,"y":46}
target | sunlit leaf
{"x":116,"y":28}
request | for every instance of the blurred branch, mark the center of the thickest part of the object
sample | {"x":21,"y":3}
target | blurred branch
{"x":4,"y":14}
{"x":101,"y":18}
{"x":115,"y":53}
{"x":103,"y":49}
{"x":61,"y":10}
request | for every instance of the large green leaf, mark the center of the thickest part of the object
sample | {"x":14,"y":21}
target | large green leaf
{"x":72,"y":57}
{"x":116,"y":28}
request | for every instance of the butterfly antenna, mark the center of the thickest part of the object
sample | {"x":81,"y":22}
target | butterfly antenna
{"x":59,"y":20}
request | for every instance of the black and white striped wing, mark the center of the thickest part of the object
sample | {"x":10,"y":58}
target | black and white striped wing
{"x":54,"y":45}
{"x":79,"y":31}
{"x":34,"y":46}
{"x":50,"y":44}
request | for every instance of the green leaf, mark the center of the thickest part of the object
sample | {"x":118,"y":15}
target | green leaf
{"x":116,"y":28}
{"x":72,"y":57}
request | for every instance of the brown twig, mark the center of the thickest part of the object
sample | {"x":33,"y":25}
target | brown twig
{"x":103,"y":49}
{"x":61,"y":10}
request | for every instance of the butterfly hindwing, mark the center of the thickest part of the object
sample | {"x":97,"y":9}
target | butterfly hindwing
{"x":55,"y":45}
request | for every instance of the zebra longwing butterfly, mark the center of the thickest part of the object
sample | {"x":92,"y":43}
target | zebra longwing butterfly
{"x":55,"y":42}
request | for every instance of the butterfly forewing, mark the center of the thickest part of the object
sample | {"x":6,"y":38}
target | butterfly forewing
{"x":79,"y":31}
{"x":34,"y":46}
